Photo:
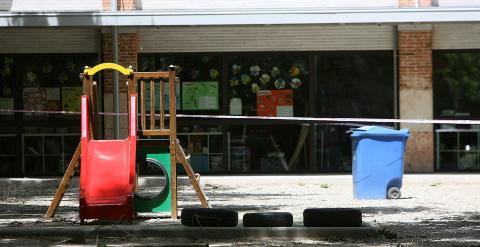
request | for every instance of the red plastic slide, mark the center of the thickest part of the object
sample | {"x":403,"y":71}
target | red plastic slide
{"x":107,"y":171}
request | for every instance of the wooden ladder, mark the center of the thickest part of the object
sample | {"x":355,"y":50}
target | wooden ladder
{"x":176,"y":150}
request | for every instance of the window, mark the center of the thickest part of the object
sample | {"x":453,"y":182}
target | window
{"x":268,"y":84}
{"x":199,"y":90}
{"x":7,"y":90}
{"x":51,"y":83}
{"x":353,"y":85}
{"x":456,"y":92}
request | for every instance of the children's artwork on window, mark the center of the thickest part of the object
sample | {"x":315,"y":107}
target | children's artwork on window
{"x":6,"y":104}
{"x":275,"y":103}
{"x":200,"y":95}
{"x":71,"y":98}
{"x":53,"y":98}
{"x":34,"y":99}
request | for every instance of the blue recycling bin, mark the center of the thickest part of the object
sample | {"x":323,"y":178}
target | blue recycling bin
{"x":377,"y":168}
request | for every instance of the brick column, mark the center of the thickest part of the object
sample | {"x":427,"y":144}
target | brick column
{"x":416,"y":95}
{"x":127,"y":55}
{"x":122,"y":5}
{"x":415,"y":3}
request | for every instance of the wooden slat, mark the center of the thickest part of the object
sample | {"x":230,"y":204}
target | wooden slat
{"x":142,"y":99}
{"x":152,"y":105}
{"x":162,"y":74}
{"x":161,"y":106}
{"x":173,"y":139}
{"x":157,"y":132}
{"x":62,"y":187}
{"x":183,"y":159}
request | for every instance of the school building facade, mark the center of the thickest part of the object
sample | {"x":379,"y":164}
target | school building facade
{"x":342,"y":59}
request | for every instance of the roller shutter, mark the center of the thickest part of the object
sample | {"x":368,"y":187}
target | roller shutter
{"x":456,"y":36}
{"x":266,"y":38}
{"x":48,"y":40}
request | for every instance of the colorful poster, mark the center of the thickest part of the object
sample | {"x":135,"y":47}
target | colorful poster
{"x":275,"y":103}
{"x":71,"y":98}
{"x":34,"y":99}
{"x":200,"y":95}
{"x":53,"y":99}
{"x":166,"y":92}
{"x":6,"y":104}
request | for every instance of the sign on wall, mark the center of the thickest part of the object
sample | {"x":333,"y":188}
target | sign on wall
{"x":200,"y":95}
{"x":275,"y":103}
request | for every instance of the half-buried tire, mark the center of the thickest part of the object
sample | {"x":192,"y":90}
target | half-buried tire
{"x":268,"y":219}
{"x":209,"y":217}
{"x":332,"y":217}
{"x":163,"y":193}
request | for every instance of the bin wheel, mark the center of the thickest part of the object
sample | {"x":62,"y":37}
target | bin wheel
{"x":394,"y":193}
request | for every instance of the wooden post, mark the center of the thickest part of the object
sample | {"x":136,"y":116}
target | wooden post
{"x":173,"y":138}
{"x":152,"y":104}
{"x":62,"y":187}
{"x":162,"y":108}
{"x":183,"y":159}
{"x":142,"y":99}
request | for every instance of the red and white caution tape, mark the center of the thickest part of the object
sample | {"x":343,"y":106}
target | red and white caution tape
{"x":285,"y":119}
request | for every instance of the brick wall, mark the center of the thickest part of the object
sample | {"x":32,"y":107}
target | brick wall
{"x":416,"y":95}
{"x":127,"y":55}
{"x":122,"y":5}
{"x":415,"y":53}
{"x":415,"y":3}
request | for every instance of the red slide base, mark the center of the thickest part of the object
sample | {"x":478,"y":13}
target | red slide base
{"x":119,"y":212}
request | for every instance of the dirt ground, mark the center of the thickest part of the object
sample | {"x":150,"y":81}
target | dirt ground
{"x":435,"y":209}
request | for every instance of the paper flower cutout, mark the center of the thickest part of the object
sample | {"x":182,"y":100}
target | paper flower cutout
{"x":255,"y":88}
{"x":178,"y":68}
{"x":296,"y":83}
{"x":294,"y":71}
{"x":214,"y":73}
{"x":255,"y":70}
{"x":194,"y":73}
{"x":62,"y":77}
{"x":236,"y":69}
{"x":279,"y":83}
{"x":265,"y":79}
{"x":71,"y":66}
{"x":31,"y":77}
{"x":206,"y":59}
{"x":47,"y":68}
{"x":275,"y":71}
{"x":245,"y":79}
{"x":234,"y":82}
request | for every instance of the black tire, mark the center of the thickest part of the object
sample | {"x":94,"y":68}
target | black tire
{"x":209,"y":217}
{"x":394,"y":193}
{"x":268,"y":219}
{"x":332,"y":217}
{"x":163,"y":193}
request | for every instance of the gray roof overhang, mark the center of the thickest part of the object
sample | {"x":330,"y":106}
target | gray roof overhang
{"x":239,"y":17}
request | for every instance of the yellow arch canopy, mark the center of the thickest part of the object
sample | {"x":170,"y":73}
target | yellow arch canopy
{"x":102,"y":66}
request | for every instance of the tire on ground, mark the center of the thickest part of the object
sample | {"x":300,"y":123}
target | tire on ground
{"x":268,"y":219}
{"x":209,"y":217}
{"x":332,"y":217}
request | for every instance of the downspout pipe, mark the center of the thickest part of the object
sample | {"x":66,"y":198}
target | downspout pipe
{"x":395,"y":76}
{"x":116,"y":89}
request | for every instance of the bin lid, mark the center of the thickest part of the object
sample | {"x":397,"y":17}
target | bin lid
{"x":379,"y":131}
